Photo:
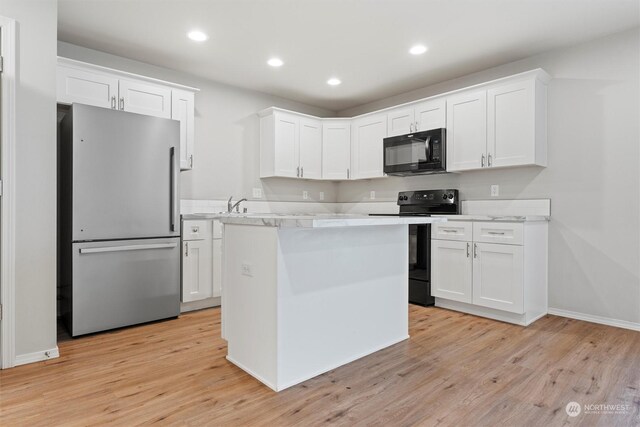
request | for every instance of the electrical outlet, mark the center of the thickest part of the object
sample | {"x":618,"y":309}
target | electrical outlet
{"x":321,"y":195}
{"x":257,"y":193}
{"x":372,"y":195}
{"x":305,"y":195}
{"x":246,"y":269}
{"x":495,"y":190}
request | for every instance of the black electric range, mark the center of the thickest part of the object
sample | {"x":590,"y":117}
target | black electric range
{"x":424,"y":203}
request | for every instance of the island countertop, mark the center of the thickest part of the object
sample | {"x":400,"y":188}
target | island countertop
{"x":321,"y":220}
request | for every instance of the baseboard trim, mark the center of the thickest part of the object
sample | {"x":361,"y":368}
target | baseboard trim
{"x":37,"y":356}
{"x":595,"y":319}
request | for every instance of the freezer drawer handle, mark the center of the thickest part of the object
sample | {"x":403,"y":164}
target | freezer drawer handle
{"x":127,"y":248}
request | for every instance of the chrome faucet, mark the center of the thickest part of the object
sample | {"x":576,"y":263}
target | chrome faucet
{"x":230,"y":206}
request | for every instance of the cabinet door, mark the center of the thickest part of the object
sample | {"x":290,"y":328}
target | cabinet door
{"x":336,"y":149}
{"x":217,"y":267}
{"x":511,"y":125}
{"x":182,"y":109}
{"x":310,"y":148}
{"x":84,"y":87}
{"x":498,"y":276}
{"x":431,"y":115}
{"x":286,"y":150}
{"x":145,"y":98}
{"x":367,"y":147}
{"x":400,"y":121}
{"x":197,"y":270}
{"x":451,"y":266}
{"x":467,"y":131}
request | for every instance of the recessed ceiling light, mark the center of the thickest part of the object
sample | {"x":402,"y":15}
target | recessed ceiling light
{"x":197,"y":36}
{"x":275,"y":62}
{"x":418,"y":49}
{"x":333,"y":81}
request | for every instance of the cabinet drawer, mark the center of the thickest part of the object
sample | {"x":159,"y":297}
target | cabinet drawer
{"x":498,"y":232}
{"x":196,"y":230}
{"x":452,"y":230}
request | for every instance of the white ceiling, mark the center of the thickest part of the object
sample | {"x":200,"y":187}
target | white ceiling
{"x":363,"y":42}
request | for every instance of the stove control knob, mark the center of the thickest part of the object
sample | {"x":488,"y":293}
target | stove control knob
{"x":450,"y":196}
{"x":405,"y":198}
{"x":444,"y":197}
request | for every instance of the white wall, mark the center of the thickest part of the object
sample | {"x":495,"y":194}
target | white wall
{"x":35,"y":168}
{"x":227,"y":134}
{"x":592,"y":177}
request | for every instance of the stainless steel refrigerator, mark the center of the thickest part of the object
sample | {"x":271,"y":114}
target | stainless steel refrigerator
{"x":119,"y":221}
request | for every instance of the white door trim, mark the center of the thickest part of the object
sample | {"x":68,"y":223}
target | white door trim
{"x":9,"y":82}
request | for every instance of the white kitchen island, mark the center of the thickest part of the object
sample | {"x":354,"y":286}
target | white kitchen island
{"x":304,"y":294}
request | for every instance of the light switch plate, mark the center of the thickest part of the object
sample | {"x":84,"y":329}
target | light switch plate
{"x":372,"y":195}
{"x":305,"y":195}
{"x":257,"y":193}
{"x":495,"y":190}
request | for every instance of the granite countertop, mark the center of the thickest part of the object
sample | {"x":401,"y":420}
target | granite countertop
{"x":497,"y":218}
{"x":321,"y":220}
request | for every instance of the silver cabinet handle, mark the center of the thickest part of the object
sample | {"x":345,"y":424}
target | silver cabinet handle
{"x":348,"y":174}
{"x":113,"y":102}
{"x":186,"y":249}
{"x":489,"y":160}
{"x":298,"y":171}
{"x":191,"y":161}
{"x":482,"y":161}
{"x":122,"y":103}
{"x":301,"y":171}
{"x":468,"y":248}
{"x":499,"y":233}
{"x":448,"y":231}
{"x":127,"y":248}
{"x":475,"y":250}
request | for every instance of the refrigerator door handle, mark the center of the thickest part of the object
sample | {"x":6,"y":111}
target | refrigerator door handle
{"x":127,"y":248}
{"x":173,"y":204}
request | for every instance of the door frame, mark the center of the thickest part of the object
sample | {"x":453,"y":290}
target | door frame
{"x":8,"y":82}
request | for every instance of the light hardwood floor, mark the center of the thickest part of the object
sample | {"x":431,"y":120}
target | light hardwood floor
{"x":455,"y":370}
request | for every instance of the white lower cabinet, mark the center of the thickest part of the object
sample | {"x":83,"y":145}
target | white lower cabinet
{"x":487,"y":277}
{"x":498,"y":276}
{"x":197,"y":270}
{"x":201,"y":260}
{"x":451,"y":270}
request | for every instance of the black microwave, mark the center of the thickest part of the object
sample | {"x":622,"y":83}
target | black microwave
{"x":416,"y":153}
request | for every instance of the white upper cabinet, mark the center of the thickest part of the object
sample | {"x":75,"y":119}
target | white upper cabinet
{"x":367,"y":137}
{"x":91,"y":88}
{"x":515,"y":134}
{"x":310,"y":148}
{"x":145,"y":98}
{"x":290,"y":145}
{"x":336,"y":149}
{"x":103,"y":87}
{"x":467,"y":131}
{"x":430,"y":115}
{"x":503,"y":125}
{"x":183,"y":110}
{"x":400,"y":121}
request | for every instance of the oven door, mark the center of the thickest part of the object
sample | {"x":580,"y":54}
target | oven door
{"x":420,"y":264}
